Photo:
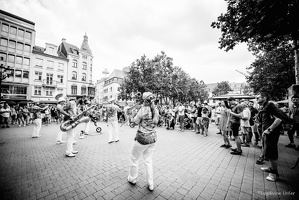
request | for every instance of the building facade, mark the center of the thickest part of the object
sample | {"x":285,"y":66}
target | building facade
{"x":48,"y":74}
{"x":17,"y":41}
{"x":79,"y":69}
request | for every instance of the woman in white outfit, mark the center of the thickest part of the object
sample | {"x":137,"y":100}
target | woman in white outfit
{"x":145,"y":140}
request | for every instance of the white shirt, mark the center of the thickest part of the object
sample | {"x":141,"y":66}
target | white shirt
{"x":246,"y":113}
{"x":181,"y":110}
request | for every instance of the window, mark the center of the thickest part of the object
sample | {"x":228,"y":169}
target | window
{"x":83,"y":77}
{"x":75,"y":63}
{"x":74,"y":75}
{"x":25,"y":74}
{"x":27,"y":48}
{"x":51,"y":50}
{"x":38,"y":62}
{"x":19,"y":90}
{"x":49,"y":79}
{"x":111,"y":89}
{"x":20,"y":46}
{"x":28,"y":35}
{"x":60,"y":78}
{"x":38,"y":76}
{"x":13,"y":30}
{"x":26,"y":61}
{"x":19,"y":60}
{"x":11,"y":58}
{"x":37,"y":90}
{"x":18,"y":73}
{"x":84,"y":65}
{"x":21,"y":32}
{"x":50,"y":64}
{"x":4,"y":28}
{"x":12,"y":44}
{"x":49,"y":92}
{"x":4,"y":42}
{"x":60,"y":66}
{"x":91,"y":69}
{"x":74,"y":89}
{"x":83,"y":90}
{"x":3,"y":57}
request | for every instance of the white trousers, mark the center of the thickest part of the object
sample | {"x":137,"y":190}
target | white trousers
{"x":146,"y":152}
{"x":37,"y":126}
{"x":70,"y":140}
{"x":87,"y":127}
{"x":113,"y":131}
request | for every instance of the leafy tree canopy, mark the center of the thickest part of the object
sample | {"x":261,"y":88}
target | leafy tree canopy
{"x":222,"y":88}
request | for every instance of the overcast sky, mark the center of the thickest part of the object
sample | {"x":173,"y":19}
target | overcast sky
{"x":121,"y":31}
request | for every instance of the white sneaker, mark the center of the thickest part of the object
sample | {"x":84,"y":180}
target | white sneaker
{"x":81,"y":137}
{"x":60,"y":142}
{"x":75,"y":152}
{"x":151,"y":187}
{"x":272,"y":177}
{"x":132,"y":182}
{"x":70,"y":155}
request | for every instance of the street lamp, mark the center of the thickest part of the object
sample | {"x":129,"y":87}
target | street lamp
{"x":4,"y":73}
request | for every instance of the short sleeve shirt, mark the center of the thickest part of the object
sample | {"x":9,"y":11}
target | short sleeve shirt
{"x":237,"y":109}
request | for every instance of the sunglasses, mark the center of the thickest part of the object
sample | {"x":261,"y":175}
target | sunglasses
{"x":295,"y":100}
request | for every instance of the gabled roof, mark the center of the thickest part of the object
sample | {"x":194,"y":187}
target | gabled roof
{"x":70,"y":48}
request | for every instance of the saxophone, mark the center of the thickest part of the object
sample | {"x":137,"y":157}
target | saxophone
{"x":72,"y":123}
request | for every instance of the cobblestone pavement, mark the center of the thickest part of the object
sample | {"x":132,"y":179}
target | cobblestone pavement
{"x":186,"y":166}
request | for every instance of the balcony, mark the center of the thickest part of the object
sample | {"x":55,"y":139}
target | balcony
{"x":49,"y":84}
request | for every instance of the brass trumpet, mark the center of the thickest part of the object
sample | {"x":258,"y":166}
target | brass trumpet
{"x":72,"y":123}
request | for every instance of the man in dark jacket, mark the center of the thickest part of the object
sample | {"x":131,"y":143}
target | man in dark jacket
{"x":269,"y":120}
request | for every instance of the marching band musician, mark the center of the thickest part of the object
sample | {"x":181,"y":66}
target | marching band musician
{"x":145,"y":140}
{"x":84,"y":106}
{"x":112,"y":121}
{"x":68,"y":110}
{"x":37,"y":120}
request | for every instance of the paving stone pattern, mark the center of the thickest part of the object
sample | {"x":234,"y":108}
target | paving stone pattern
{"x":186,"y":166}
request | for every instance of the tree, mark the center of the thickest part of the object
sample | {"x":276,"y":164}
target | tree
{"x":222,"y":88}
{"x":261,"y":24}
{"x":159,"y":76}
{"x":273,"y":72}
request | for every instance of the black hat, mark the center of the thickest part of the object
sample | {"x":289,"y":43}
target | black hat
{"x":231,"y":99}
